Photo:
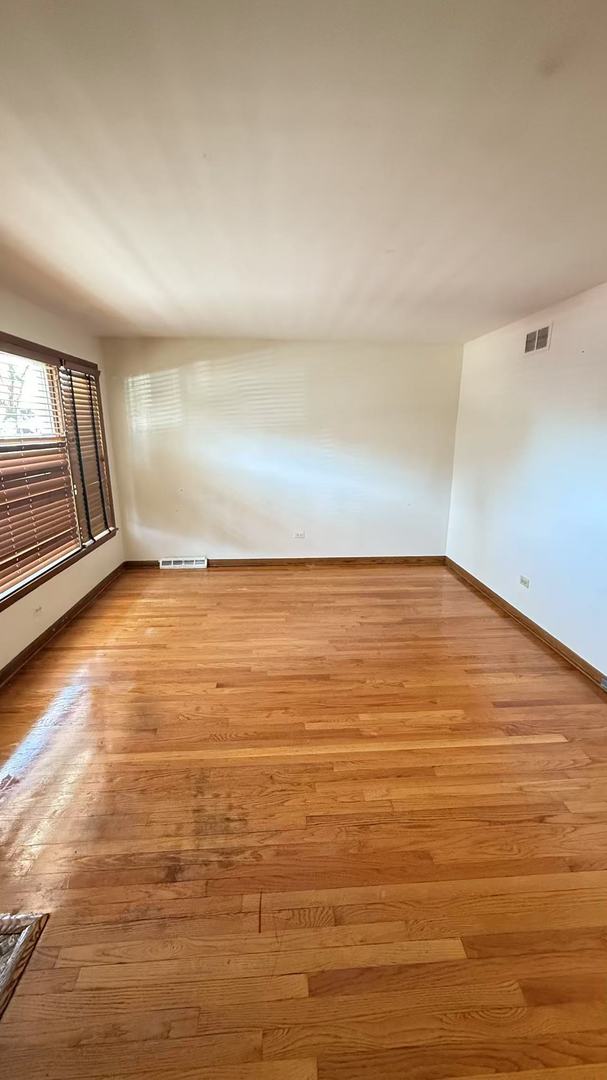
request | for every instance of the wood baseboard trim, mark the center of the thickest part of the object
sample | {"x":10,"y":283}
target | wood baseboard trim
{"x":140,"y":564}
{"x":538,"y":631}
{"x":26,"y":654}
{"x":337,"y":560}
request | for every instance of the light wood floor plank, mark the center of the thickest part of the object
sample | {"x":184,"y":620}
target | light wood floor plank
{"x":318,"y":823}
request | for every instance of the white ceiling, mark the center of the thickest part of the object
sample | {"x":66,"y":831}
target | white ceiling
{"x":372,"y":169}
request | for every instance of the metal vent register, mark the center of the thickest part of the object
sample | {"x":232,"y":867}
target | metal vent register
{"x":536,"y":340}
{"x":196,"y":562}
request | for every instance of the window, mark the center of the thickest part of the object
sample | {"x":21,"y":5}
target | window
{"x":55,"y":495}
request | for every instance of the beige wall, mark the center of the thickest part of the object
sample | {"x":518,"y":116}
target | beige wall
{"x":530,"y":476}
{"x":27,"y":618}
{"x":228,"y":448}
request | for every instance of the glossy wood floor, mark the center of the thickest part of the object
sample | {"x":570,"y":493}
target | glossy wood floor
{"x":345,"y":822}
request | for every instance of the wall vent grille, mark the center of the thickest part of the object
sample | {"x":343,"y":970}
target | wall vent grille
{"x":538,"y":340}
{"x":195,"y":562}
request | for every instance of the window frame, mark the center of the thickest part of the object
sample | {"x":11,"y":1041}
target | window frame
{"x":32,"y":350}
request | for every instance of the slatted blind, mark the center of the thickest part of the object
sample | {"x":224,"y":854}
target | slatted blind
{"x":80,"y":398}
{"x":38,"y":523}
{"x":54,"y":484}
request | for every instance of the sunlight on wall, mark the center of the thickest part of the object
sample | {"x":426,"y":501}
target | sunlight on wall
{"x":229,"y":448}
{"x":154,"y":401}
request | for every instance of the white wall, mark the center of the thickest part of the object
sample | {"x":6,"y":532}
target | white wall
{"x":530,"y":475}
{"x":27,"y":618}
{"x":227,"y":448}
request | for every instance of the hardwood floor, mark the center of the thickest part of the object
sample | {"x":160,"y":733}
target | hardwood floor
{"x":336,"y":822}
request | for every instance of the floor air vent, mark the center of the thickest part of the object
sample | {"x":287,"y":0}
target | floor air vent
{"x":194,"y":563}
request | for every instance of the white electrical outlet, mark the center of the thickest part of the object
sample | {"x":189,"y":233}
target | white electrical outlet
{"x":524,"y":581}
{"x":299,"y":534}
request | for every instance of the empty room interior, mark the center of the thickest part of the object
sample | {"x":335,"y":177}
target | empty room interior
{"x":303,"y":539}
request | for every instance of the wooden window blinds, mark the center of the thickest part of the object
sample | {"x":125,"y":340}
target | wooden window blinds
{"x":55,"y":495}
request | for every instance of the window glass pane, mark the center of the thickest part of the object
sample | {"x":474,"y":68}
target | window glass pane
{"x":28,"y":404}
